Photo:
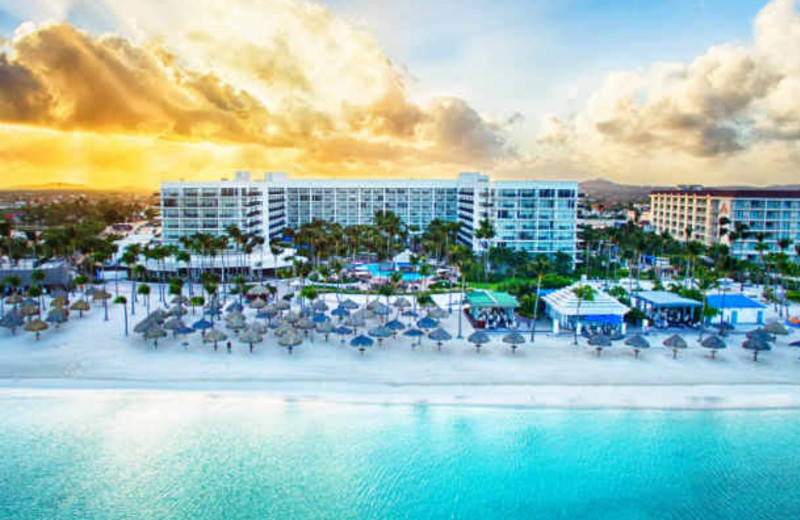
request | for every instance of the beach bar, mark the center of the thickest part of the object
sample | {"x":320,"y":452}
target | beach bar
{"x":601,"y":314}
{"x":737,"y":308}
{"x":492,"y":309}
{"x":666,"y":308}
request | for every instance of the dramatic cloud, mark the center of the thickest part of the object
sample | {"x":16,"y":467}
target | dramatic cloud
{"x":717,"y":115}
{"x":299,"y":84}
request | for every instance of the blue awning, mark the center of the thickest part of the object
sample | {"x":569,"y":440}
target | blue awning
{"x":603,"y":319}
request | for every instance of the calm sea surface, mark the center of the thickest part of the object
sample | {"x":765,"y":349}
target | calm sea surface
{"x":106,"y":455}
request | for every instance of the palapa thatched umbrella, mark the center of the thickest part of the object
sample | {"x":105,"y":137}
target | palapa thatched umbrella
{"x":258,"y":290}
{"x":174,"y":324}
{"x":343,"y":331}
{"x":414,"y":333}
{"x":340,"y":312}
{"x":305,"y":324}
{"x":291,"y":317}
{"x":675,"y":342}
{"x":361,"y":342}
{"x":275,"y":324}
{"x":236,"y":323}
{"x":326,"y":328}
{"x":349,"y":304}
{"x":12,"y":320}
{"x":56,"y":316}
{"x":257,"y":303}
{"x":401,"y":303}
{"x":437,"y":313}
{"x":478,"y":338}
{"x":515,"y":339}
{"x":147,"y":323}
{"x":638,"y":343}
{"x":251,"y":337}
{"x":36,"y":326}
{"x":373,"y":304}
{"x":14,"y":299}
{"x":282,"y":305}
{"x":428,"y":323}
{"x":159,"y":315}
{"x":319,"y":306}
{"x":235,"y":307}
{"x":266,"y":314}
{"x":362,"y":314}
{"x":257,"y":326}
{"x":100,"y":294}
{"x":759,"y":335}
{"x":285,"y":328}
{"x":202,"y":324}
{"x":382,"y":310}
{"x":776,"y":328}
{"x":59,"y":301}
{"x":599,"y":342}
{"x":290,"y":340}
{"x":81,"y":306}
{"x":439,"y":335}
{"x":28,"y":311}
{"x":395,"y":326}
{"x":354,"y":321}
{"x":380,"y":333}
{"x":214,"y":336}
{"x":155,"y":333}
{"x":756,"y":346}
{"x":713,"y":343}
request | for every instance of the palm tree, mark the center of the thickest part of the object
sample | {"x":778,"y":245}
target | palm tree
{"x":485,"y":233}
{"x":37,"y":277}
{"x":310,"y":293}
{"x":583,"y":293}
{"x":144,"y":290}
{"x":740,"y":233}
{"x":121,"y":300}
{"x":540,"y":266}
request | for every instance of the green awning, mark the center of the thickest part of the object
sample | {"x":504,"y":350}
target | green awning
{"x":491,"y":299}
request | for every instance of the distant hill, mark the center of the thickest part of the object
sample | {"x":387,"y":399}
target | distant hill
{"x":610,"y":192}
{"x":67,"y":186}
{"x":50,"y":186}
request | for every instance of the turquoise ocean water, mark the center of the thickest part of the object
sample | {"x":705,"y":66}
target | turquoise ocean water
{"x":201,"y":457}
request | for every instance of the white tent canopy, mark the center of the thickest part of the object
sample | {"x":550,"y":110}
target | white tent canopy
{"x":562,"y":307}
{"x":403,"y":258}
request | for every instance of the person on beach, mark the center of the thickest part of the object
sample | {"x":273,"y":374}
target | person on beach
{"x":228,"y":346}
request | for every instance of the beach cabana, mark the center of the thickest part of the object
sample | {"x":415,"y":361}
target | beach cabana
{"x":492,"y":309}
{"x":666,"y":308}
{"x":737,"y":308}
{"x":603,"y":314}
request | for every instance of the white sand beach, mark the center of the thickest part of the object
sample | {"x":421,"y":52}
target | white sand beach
{"x":90,"y":353}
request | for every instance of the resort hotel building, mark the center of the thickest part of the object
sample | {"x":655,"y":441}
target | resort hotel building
{"x":534,"y":216}
{"x":698,"y":213}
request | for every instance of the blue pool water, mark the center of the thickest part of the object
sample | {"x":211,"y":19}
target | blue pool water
{"x":193,"y":456}
{"x":385,"y":271}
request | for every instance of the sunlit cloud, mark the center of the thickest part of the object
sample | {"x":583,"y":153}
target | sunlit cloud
{"x":197,"y":92}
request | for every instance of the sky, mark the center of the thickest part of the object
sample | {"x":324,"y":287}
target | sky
{"x":114,"y":93}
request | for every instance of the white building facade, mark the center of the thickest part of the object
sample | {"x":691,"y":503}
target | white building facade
{"x":535,"y":216}
{"x":696,"y":213}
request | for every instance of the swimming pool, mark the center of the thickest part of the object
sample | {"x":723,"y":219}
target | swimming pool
{"x":385,"y":271}
{"x":214,"y":456}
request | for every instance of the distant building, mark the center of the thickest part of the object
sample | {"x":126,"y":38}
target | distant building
{"x":697,"y":213}
{"x":534,"y":216}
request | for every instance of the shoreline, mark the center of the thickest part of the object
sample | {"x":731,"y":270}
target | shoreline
{"x":691,"y":396}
